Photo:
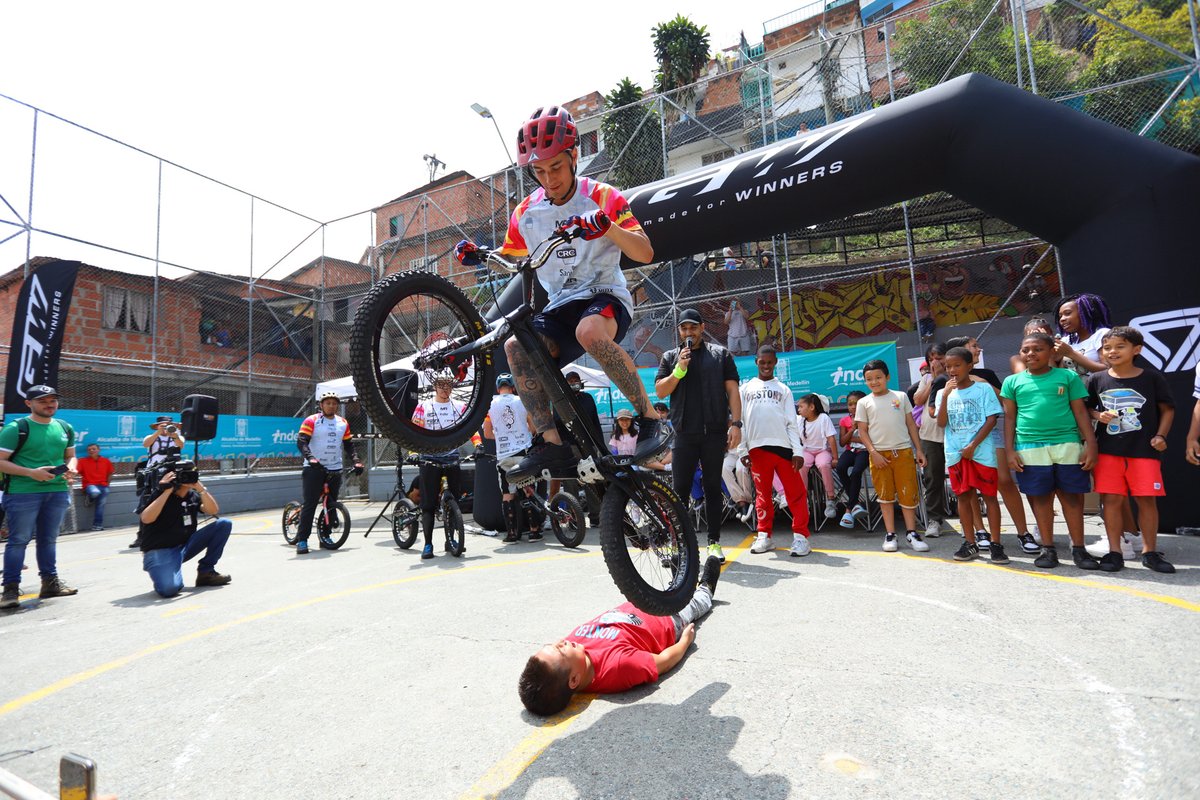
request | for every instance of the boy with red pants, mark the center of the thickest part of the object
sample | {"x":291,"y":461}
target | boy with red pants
{"x":771,"y":446}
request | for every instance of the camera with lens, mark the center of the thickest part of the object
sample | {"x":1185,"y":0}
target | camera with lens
{"x":171,"y":429}
{"x":184,"y":469}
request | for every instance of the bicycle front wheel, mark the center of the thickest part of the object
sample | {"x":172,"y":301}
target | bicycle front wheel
{"x":649,"y":546}
{"x":333,"y":531}
{"x":291,"y":522}
{"x":452,"y":520}
{"x":404,"y":523}
{"x":399,"y":345}
{"x":567,"y":520}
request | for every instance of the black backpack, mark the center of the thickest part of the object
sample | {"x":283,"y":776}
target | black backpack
{"x":23,"y":436}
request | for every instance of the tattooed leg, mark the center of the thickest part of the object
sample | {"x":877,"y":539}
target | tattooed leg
{"x":619,"y":367}
{"x":533,"y":395}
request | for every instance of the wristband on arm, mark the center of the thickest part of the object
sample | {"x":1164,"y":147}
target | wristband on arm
{"x":679,"y":372}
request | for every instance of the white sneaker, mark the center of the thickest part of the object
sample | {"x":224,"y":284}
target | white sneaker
{"x":890,"y":545}
{"x":933,"y":530}
{"x":762,"y":544}
{"x":917,"y":542}
{"x":1099,"y":548}
{"x":1029,"y":544}
{"x":800,"y":545}
{"x":830,"y":509}
{"x":983,"y":540}
{"x":1135,"y":542}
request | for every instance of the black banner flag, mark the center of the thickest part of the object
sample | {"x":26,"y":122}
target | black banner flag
{"x":39,"y":322}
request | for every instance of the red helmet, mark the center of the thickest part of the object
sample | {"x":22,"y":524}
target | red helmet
{"x":547,"y":132}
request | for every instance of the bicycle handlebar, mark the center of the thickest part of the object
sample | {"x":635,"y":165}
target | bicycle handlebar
{"x":539,"y":255}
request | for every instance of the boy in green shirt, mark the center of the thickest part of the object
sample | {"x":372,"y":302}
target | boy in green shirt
{"x":1050,"y":444}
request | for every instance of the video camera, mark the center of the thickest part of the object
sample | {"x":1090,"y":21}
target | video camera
{"x":184,"y":469}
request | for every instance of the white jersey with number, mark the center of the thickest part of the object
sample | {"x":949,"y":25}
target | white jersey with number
{"x":435,"y":416}
{"x":327,"y":437}
{"x":509,"y":425}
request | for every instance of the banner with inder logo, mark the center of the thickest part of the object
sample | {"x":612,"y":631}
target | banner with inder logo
{"x":120,"y":435}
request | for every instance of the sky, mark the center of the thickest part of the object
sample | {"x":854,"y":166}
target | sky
{"x":325,"y":109}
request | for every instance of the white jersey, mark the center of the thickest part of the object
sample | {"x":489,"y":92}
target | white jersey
{"x":327,"y":438}
{"x":581,"y":269}
{"x":769,"y":416}
{"x":432,"y":415}
{"x":509,"y":425}
{"x":815,"y":435}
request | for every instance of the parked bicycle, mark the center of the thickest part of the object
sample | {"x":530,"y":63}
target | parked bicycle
{"x":406,"y":518}
{"x":420,"y":327}
{"x":332,"y":523}
{"x":567,"y":517}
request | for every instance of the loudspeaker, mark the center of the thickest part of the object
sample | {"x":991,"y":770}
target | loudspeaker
{"x":199,"y":418}
{"x":401,"y":386}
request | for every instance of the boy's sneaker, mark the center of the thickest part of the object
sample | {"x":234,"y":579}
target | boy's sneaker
{"x":710,"y":574}
{"x":762,"y":544}
{"x":933,"y":530}
{"x":830,"y":509}
{"x":510,"y":538}
{"x":1083,"y":559}
{"x":53,"y":587}
{"x":916,"y":542}
{"x":535,"y":536}
{"x":301,"y":548}
{"x":999,"y":557}
{"x":715,"y":551}
{"x":1100,"y":547}
{"x":1112,"y":562}
{"x":557,"y":458}
{"x":1028,"y":543}
{"x":1048,"y":559}
{"x":847,"y":520}
{"x":12,"y":596}
{"x":427,"y":551}
{"x":1135,"y":541}
{"x":653,"y":438}
{"x":800,"y":545}
{"x":1154,"y":560}
{"x":983,"y":539}
{"x":890,"y":545}
{"x":967,"y":551}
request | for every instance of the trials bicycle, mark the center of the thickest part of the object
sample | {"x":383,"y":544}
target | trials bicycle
{"x":332,"y":530}
{"x":414,"y":327}
{"x":406,"y":519}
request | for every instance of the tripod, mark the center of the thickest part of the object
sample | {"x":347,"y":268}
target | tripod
{"x":396,"y":494}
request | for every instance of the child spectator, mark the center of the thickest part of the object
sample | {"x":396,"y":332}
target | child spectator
{"x":1050,"y":445}
{"x":623,"y":441}
{"x":934,"y":475}
{"x":885,"y":425}
{"x":1193,"y":435}
{"x":968,"y":409}
{"x":95,"y":471}
{"x":1082,"y":323}
{"x":1135,"y":412}
{"x":852,"y":462}
{"x":771,"y":448}
{"x":1034,"y":325}
{"x":817,"y":438}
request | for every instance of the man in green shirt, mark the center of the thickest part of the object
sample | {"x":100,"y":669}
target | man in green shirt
{"x":38,"y":494}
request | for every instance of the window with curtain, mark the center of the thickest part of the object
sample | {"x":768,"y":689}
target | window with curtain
{"x":126,"y":310}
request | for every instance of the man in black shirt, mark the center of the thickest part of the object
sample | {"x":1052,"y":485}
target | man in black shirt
{"x":169,"y":536}
{"x":706,"y":412}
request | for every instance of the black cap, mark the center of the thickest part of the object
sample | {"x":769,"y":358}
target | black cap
{"x":573,"y":374}
{"x":39,"y":391}
{"x":690,"y":315}
{"x":661,"y":407}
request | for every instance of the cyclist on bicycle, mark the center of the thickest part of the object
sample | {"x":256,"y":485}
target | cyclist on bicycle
{"x":508,"y":423}
{"x":589,"y":306}
{"x":322,"y":439}
{"x":440,"y":412}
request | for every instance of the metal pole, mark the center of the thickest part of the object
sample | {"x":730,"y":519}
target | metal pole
{"x":1192,"y":22}
{"x":250,"y":309}
{"x":778,"y":293}
{"x":1129,"y":30}
{"x":912,"y":272}
{"x":887,"y":55}
{"x":29,"y":213}
{"x":154,"y":309}
{"x":425,"y":232}
{"x":1062,"y":286}
{"x":662,"y":126}
{"x":1013,"y":293}
{"x":1167,"y":103}
{"x":787,"y":263}
{"x":1016,"y":47}
{"x":1028,"y":47}
{"x":492,"y":191}
{"x":971,"y":40}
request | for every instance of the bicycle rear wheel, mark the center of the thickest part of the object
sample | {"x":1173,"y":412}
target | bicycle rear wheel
{"x":567,"y":519}
{"x":291,"y":522}
{"x":452,"y":521}
{"x":333,"y":536}
{"x":649,"y":546}
{"x":404,"y":523}
{"x":399,"y":343}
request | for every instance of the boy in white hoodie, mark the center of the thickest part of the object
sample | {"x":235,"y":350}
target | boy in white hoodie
{"x":771,"y":446}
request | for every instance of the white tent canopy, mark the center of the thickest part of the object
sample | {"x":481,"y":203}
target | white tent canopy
{"x":592,"y":379}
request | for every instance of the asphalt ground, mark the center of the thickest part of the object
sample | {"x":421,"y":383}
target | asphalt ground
{"x":367,"y":673}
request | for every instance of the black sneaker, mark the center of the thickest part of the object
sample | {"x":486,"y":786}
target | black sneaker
{"x":11,"y":597}
{"x":1048,"y":559}
{"x":1083,"y":559}
{"x":509,"y":538}
{"x":1112,"y":562}
{"x":1155,"y":561}
{"x":998,"y":554}
{"x":653,"y":438}
{"x":535,"y":536}
{"x":136,"y":544}
{"x":1028,"y":543}
{"x":966,"y":552}
{"x":711,"y":574}
{"x":557,"y":458}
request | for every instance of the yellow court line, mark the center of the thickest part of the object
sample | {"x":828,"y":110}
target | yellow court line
{"x":174,"y":612}
{"x":80,"y":677}
{"x":506,"y":771}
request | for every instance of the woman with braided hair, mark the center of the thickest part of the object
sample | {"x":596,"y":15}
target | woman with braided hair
{"x":1083,"y":320}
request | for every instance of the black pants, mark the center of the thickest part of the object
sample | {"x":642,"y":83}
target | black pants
{"x":933,"y":476}
{"x":708,"y":451}
{"x":850,"y":468}
{"x":313,"y":480}
{"x":430,"y":480}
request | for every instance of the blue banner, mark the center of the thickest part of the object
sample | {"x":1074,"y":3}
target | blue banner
{"x":120,"y":435}
{"x":830,"y":371}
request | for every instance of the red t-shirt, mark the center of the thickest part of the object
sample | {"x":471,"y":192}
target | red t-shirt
{"x":95,"y":472}
{"x":622,"y":644}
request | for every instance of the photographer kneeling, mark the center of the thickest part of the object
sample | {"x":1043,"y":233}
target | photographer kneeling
{"x":168,"y":533}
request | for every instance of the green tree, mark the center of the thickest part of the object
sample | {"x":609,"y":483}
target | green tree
{"x":632,"y":137}
{"x":925,"y":49}
{"x":681,"y":49}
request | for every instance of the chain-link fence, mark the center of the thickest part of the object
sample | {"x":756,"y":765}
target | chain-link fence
{"x":193,"y":286}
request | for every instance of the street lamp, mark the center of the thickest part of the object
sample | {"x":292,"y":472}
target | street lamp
{"x":487,"y":114}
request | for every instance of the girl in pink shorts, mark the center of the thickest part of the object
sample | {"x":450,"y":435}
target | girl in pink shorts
{"x":819,"y":445}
